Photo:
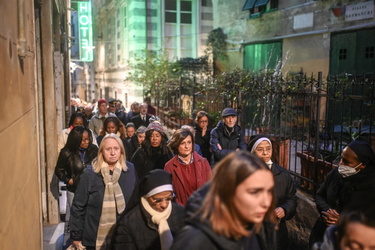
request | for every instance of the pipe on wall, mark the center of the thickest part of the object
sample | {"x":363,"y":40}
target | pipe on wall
{"x":21,"y":45}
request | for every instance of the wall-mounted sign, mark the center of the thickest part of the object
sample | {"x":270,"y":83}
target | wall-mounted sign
{"x":359,"y":11}
{"x":85,"y":31}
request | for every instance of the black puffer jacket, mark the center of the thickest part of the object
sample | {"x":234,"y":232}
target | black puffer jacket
{"x":70,"y":166}
{"x":228,"y":142}
{"x":136,"y":231}
{"x":199,"y":235}
{"x":133,"y":145}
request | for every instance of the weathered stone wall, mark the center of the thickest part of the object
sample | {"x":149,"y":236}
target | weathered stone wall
{"x":300,"y":226}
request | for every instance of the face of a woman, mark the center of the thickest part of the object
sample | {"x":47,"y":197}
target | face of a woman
{"x":130,"y":131}
{"x":264,"y":151}
{"x":358,"y":236}
{"x":85,"y":141}
{"x":78,"y":121}
{"x":111,"y":151}
{"x":141,"y":137}
{"x":203,"y":122}
{"x":155,"y":139}
{"x":159,"y":202}
{"x":186,"y":146}
{"x":111,"y":127}
{"x":349,"y":158}
{"x":253,"y":197}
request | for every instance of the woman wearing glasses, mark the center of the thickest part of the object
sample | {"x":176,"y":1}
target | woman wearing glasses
{"x":189,"y":170}
{"x":154,"y":222}
{"x":285,"y":191}
{"x":202,"y":134}
{"x":103,"y":194}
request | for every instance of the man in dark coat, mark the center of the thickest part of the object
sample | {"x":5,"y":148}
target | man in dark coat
{"x":143,"y":119}
{"x":153,"y":223}
{"x":227,"y":136}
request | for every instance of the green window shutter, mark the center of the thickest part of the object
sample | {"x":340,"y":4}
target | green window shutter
{"x":262,"y":56}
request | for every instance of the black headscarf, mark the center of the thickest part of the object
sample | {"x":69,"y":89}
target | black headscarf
{"x":364,"y":152}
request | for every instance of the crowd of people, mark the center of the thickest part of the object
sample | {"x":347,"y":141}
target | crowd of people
{"x":131,"y":187}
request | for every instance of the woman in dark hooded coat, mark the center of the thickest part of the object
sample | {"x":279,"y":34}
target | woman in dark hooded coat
{"x":353,"y":182}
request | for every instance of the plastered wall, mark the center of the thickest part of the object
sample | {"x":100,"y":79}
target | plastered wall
{"x":20,"y":201}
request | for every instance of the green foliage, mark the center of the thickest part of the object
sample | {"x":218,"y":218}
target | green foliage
{"x":216,"y":44}
{"x":156,"y":72}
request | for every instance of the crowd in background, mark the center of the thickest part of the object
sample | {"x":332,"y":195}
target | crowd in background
{"x":130,"y":186}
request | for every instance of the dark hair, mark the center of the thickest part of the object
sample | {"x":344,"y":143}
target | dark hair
{"x":178,"y":137}
{"x":75,"y":138}
{"x":146,"y":144}
{"x":118,"y":124}
{"x":129,"y":124}
{"x":364,"y":215}
{"x":201,"y":114}
{"x":74,"y":116}
{"x":218,"y":206}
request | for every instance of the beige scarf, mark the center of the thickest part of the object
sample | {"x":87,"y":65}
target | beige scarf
{"x":113,"y":199}
{"x":160,"y":219}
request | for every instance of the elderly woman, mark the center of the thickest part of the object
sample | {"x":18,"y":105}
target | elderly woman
{"x":285,"y":191}
{"x":155,"y":221}
{"x":104,"y":192}
{"x":202,"y":134}
{"x":136,"y":140}
{"x":114,"y":125}
{"x":234,"y":211}
{"x":189,"y":170}
{"x":154,"y":152}
{"x":77,"y":153}
{"x":351,"y":183}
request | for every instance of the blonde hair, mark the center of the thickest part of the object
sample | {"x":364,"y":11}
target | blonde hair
{"x":97,"y":163}
{"x":218,"y":206}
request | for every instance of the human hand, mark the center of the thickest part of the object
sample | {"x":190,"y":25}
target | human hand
{"x":204,"y":130}
{"x":238,"y":149}
{"x":220,"y":148}
{"x":331,"y":216}
{"x":76,"y":243}
{"x":70,"y":182}
{"x":280,"y":213}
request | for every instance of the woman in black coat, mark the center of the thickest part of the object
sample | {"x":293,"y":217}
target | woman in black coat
{"x":103,"y":194}
{"x":352,"y":183}
{"x":154,"y":152}
{"x":77,"y":153}
{"x":202,"y":134}
{"x":285,"y":191}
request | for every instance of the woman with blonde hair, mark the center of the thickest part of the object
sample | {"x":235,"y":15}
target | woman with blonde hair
{"x":103,"y":194}
{"x":233,"y":211}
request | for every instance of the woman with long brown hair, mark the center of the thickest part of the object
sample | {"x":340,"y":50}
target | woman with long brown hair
{"x":235,"y":210}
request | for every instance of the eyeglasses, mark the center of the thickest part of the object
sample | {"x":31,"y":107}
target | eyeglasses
{"x":160,"y":200}
{"x":204,"y":121}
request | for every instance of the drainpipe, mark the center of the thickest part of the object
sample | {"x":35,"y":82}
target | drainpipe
{"x":21,"y":46}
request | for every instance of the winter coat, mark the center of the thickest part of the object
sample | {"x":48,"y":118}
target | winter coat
{"x":70,"y":165}
{"x":203,"y":142}
{"x":96,"y":122}
{"x":339,"y":193}
{"x":228,"y":143}
{"x":137,"y":120}
{"x":199,"y":235}
{"x":175,"y":167}
{"x":133,"y":145}
{"x":136,"y":231}
{"x":88,"y":199}
{"x":329,"y":242}
{"x":144,"y":163}
{"x":285,"y":195}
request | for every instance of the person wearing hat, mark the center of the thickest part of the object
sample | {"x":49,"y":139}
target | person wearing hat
{"x":96,"y":122}
{"x":351,"y":183}
{"x":153,"y":222}
{"x":154,"y":152}
{"x":285,"y":190}
{"x":227,"y":136}
{"x":112,"y":104}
